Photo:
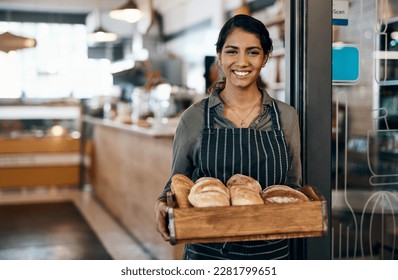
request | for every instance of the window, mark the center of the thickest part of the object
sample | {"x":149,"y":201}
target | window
{"x":57,"y":67}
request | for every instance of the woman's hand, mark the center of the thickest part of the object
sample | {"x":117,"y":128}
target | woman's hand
{"x":161,"y":219}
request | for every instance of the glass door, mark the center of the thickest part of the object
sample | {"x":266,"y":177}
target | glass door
{"x":364,"y":221}
{"x":309,"y":90}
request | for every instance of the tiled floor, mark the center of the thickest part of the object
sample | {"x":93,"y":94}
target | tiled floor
{"x":116,"y":240}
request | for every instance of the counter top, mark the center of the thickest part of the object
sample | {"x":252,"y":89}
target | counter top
{"x":162,"y":130}
{"x":35,"y":112}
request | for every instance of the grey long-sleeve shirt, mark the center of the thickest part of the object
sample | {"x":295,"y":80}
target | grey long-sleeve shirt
{"x":188,"y":137}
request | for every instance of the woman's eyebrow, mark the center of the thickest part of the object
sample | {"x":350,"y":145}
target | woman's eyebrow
{"x":249,"y":48}
{"x":231,"y":47}
{"x":254,"y":48}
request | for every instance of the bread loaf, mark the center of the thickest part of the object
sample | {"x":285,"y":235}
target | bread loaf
{"x":206,"y":184}
{"x":245,"y":196}
{"x":282,"y":194}
{"x":181,"y":186}
{"x":243,"y":180}
{"x":244,"y":190}
{"x":209,"y":192}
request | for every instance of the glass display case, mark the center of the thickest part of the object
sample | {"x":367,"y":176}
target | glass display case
{"x":40,"y":144}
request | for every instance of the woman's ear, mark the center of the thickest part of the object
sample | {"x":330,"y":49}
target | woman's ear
{"x":265,"y":60}
{"x":219,"y":60}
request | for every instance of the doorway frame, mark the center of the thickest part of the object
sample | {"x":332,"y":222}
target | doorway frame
{"x":309,"y":90}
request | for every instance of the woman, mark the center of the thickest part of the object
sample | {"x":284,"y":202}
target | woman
{"x":239,"y":128}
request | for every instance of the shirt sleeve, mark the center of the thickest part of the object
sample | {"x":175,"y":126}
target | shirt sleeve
{"x":186,"y":144}
{"x":182,"y":161}
{"x":294,"y":149}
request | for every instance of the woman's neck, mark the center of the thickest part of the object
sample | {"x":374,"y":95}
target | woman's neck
{"x":241,"y":107}
{"x":241,"y":95}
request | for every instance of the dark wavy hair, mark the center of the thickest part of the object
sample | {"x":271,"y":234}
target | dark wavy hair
{"x":248,"y":24}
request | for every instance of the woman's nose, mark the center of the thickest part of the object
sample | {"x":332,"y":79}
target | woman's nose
{"x":242,"y":60}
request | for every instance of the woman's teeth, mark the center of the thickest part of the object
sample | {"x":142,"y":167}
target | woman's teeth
{"x":241,"y":74}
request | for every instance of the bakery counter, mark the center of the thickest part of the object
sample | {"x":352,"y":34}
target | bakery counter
{"x":40,"y":144}
{"x":130,"y":166}
{"x":166,"y":129}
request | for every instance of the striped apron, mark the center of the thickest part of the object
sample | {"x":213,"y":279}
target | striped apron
{"x":259,"y":154}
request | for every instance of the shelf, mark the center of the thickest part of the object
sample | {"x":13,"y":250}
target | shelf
{"x":34,"y":147}
{"x":39,"y":112}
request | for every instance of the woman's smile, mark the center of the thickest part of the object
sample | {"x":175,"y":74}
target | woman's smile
{"x":241,"y":74}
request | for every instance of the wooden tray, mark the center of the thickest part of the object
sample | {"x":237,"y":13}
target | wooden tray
{"x":244,"y":223}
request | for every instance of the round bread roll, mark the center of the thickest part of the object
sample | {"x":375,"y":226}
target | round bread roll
{"x":181,"y":186}
{"x":206,"y":184}
{"x":209,"y":192}
{"x":282,"y":194}
{"x":243,"y":180}
{"x":245,"y":196}
{"x":209,"y":199}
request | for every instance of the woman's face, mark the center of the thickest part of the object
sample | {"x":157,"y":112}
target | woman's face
{"x":242,"y":58}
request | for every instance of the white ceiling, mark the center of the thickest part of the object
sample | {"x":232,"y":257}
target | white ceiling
{"x":80,"y":5}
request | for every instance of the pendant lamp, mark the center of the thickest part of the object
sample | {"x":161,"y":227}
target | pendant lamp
{"x":128,"y":12}
{"x":102,"y":35}
{"x":10,"y":42}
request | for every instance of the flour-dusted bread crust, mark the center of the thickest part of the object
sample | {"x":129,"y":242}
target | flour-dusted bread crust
{"x":209,"y":199}
{"x":181,"y":186}
{"x":243,"y":180}
{"x":241,"y":195}
{"x":208,"y":192}
{"x":244,"y":190}
{"x":205,"y":184}
{"x":282,"y":194}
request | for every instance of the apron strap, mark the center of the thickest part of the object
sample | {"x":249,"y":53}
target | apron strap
{"x":209,"y":115}
{"x":276,"y":125}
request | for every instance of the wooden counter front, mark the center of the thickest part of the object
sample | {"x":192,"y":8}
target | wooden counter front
{"x":31,"y":161}
{"x":130,"y":170}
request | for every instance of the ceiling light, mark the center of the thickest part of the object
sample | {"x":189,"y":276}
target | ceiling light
{"x":394,"y":35}
{"x":128,"y":12}
{"x":101,"y":35}
{"x":10,"y":42}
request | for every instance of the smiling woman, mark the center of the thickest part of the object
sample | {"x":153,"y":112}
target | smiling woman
{"x":238,"y":129}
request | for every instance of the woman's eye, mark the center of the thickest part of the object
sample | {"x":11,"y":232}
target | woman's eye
{"x":254,"y":53}
{"x":231,"y":52}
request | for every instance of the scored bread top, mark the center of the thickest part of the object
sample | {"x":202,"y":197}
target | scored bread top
{"x":245,"y":181}
{"x":245,"y":196}
{"x":209,"y":191}
{"x":282,"y":194}
{"x":209,"y":199}
{"x":182,"y":180}
{"x":206,"y":184}
{"x":180,"y":186}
